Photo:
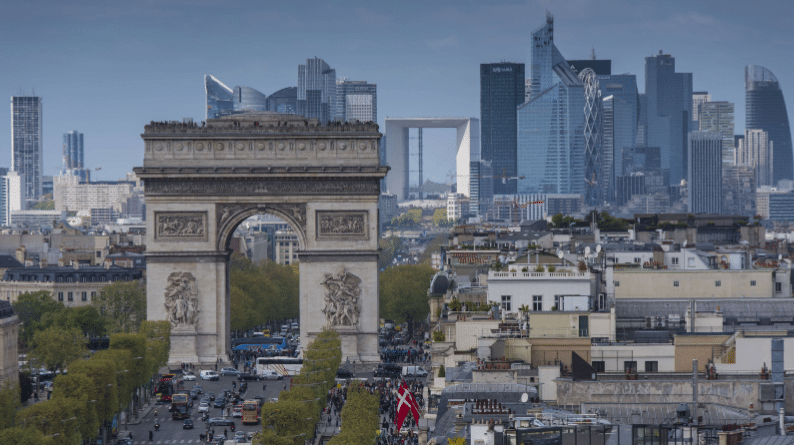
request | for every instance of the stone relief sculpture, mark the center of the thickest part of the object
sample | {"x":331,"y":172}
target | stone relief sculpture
{"x":181,"y":299}
{"x":341,"y":298}
{"x":234,"y":187}
{"x":341,"y":223}
{"x":181,"y":225}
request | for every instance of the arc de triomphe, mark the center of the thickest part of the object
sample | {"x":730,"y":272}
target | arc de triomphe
{"x":202,"y":181}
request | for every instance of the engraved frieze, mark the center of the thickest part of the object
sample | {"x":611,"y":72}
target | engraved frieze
{"x":335,"y":224}
{"x":237,"y":187}
{"x":181,"y":226}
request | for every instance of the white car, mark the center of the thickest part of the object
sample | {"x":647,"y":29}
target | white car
{"x":209,"y":375}
{"x":238,"y":411}
{"x":204,"y":408}
{"x":189,"y":377}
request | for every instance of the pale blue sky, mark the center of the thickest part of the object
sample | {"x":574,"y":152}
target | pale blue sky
{"x":107,"y":68}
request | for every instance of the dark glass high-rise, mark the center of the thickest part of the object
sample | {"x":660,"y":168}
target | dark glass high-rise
{"x":766,"y":110}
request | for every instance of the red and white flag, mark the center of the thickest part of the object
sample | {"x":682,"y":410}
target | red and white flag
{"x":407,"y":404}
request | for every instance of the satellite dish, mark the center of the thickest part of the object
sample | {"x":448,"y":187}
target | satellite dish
{"x":587,"y":251}
{"x":598,"y":248}
{"x":524,"y":398}
{"x":560,"y":254}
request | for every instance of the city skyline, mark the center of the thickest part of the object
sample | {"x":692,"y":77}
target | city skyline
{"x":144,"y":62}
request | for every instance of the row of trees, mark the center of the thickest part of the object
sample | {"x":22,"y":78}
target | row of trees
{"x":93,"y":392}
{"x":260,"y":292}
{"x":403,"y":293}
{"x":359,"y":418}
{"x":119,"y":307}
{"x":292,"y":419}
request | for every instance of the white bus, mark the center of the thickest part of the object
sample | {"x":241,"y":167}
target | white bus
{"x":286,"y":366}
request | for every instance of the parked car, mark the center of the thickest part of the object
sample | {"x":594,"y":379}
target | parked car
{"x":229,"y":371}
{"x":220,"y":421}
{"x":343,"y":373}
{"x":203,"y":407}
{"x":247,"y":376}
{"x":187,"y":424}
{"x":209,"y":375}
{"x":414,"y":371}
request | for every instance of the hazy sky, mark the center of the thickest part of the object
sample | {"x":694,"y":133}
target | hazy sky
{"x":107,"y":68}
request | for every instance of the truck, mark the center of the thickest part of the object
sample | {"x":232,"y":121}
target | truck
{"x":180,"y":406}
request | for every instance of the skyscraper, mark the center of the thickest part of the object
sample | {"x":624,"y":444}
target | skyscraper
{"x":284,"y":101}
{"x":669,"y":113}
{"x":705,"y":172}
{"x":718,"y":116}
{"x":766,"y":110}
{"x":593,"y":139}
{"x":218,"y":96}
{"x":551,"y":124}
{"x":316,"y":90}
{"x":619,"y":131}
{"x":10,"y":196}
{"x":26,"y":150}
{"x":757,"y":151}
{"x":73,"y":155}
{"x":356,"y":100}
{"x":502,"y":89}
{"x":698,"y":97}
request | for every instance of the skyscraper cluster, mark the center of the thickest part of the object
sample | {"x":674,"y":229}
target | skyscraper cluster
{"x":581,"y":130}
{"x":319,"y":95}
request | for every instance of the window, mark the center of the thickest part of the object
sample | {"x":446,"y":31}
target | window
{"x":506,"y":302}
{"x":93,"y":295}
{"x":557,"y":301}
{"x":71,"y":296}
{"x":652,"y":366}
{"x":60,"y":296}
{"x":718,"y":283}
{"x":537,"y":302}
{"x":675,"y":260}
{"x":752,"y":282}
{"x":84,"y":296}
{"x":617,"y":283}
{"x":637,"y":260}
{"x":675,"y":283}
{"x":599,"y":366}
{"x":630,"y":365}
{"x":778,"y":287}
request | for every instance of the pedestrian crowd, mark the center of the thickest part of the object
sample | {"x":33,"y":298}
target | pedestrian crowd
{"x":404,"y":355}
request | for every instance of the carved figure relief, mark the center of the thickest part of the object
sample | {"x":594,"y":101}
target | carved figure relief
{"x":341,"y":299}
{"x":181,"y":299}
{"x":181,"y":225}
{"x":159,"y":187}
{"x":335,"y":224}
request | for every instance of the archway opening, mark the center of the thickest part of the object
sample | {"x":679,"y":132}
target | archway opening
{"x":264,"y":288}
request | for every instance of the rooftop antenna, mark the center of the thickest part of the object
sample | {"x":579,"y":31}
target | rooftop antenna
{"x":592,"y":54}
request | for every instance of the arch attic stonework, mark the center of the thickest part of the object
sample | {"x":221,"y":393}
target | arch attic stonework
{"x":202,"y":181}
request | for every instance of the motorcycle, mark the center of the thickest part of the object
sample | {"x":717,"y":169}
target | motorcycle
{"x":157,"y":426}
{"x":232,"y":427}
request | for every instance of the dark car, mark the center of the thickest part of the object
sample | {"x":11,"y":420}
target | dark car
{"x":343,"y":373}
{"x":194,"y":394}
{"x":125,"y":441}
{"x":388,"y":370}
{"x":210,"y":395}
{"x":247,"y":376}
{"x":220,"y":402}
{"x":187,"y":424}
{"x":197,"y":388}
{"x":219,"y":421}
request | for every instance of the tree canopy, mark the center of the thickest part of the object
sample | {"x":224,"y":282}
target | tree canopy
{"x":56,"y":347}
{"x":403,"y":292}
{"x":261,"y":292}
{"x":123,"y":305}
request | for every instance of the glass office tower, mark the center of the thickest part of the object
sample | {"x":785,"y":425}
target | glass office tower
{"x":316,"y":90}
{"x":26,"y":146}
{"x":502,"y":89}
{"x":593,"y":139}
{"x":669,"y":113}
{"x":249,"y":99}
{"x":766,"y":110}
{"x":619,"y":136}
{"x":73,"y":155}
{"x":356,"y":100}
{"x":705,"y":172}
{"x":284,"y":101}
{"x":551,"y":124}
{"x":718,"y":116}
{"x":218,"y":96}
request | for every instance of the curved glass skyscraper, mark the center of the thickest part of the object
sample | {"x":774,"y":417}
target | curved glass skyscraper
{"x":766,"y":110}
{"x":219,"y":97}
{"x":593,"y":139}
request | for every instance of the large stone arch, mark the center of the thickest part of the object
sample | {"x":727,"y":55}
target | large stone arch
{"x":201,"y":182}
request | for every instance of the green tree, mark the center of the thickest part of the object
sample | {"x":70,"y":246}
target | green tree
{"x":85,"y":318}
{"x":24,"y":436}
{"x":123,"y":305}
{"x":136,"y":345}
{"x":57,"y":418}
{"x":103,"y":380}
{"x":389,"y":249}
{"x":54,"y":347}
{"x":359,"y":418}
{"x":158,"y":344}
{"x":30,"y":308}
{"x":258,"y":293}
{"x":9,"y":402}
{"x":434,"y":246}
{"x":440,"y":218}
{"x":287,"y":418}
{"x":403,"y":293}
{"x":121,"y":362}
{"x":80,"y":389}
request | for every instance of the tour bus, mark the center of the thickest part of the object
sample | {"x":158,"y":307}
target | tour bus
{"x":250,"y":412}
{"x":286,"y":366}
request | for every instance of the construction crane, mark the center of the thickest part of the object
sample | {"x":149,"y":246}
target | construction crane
{"x":504,"y":176}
